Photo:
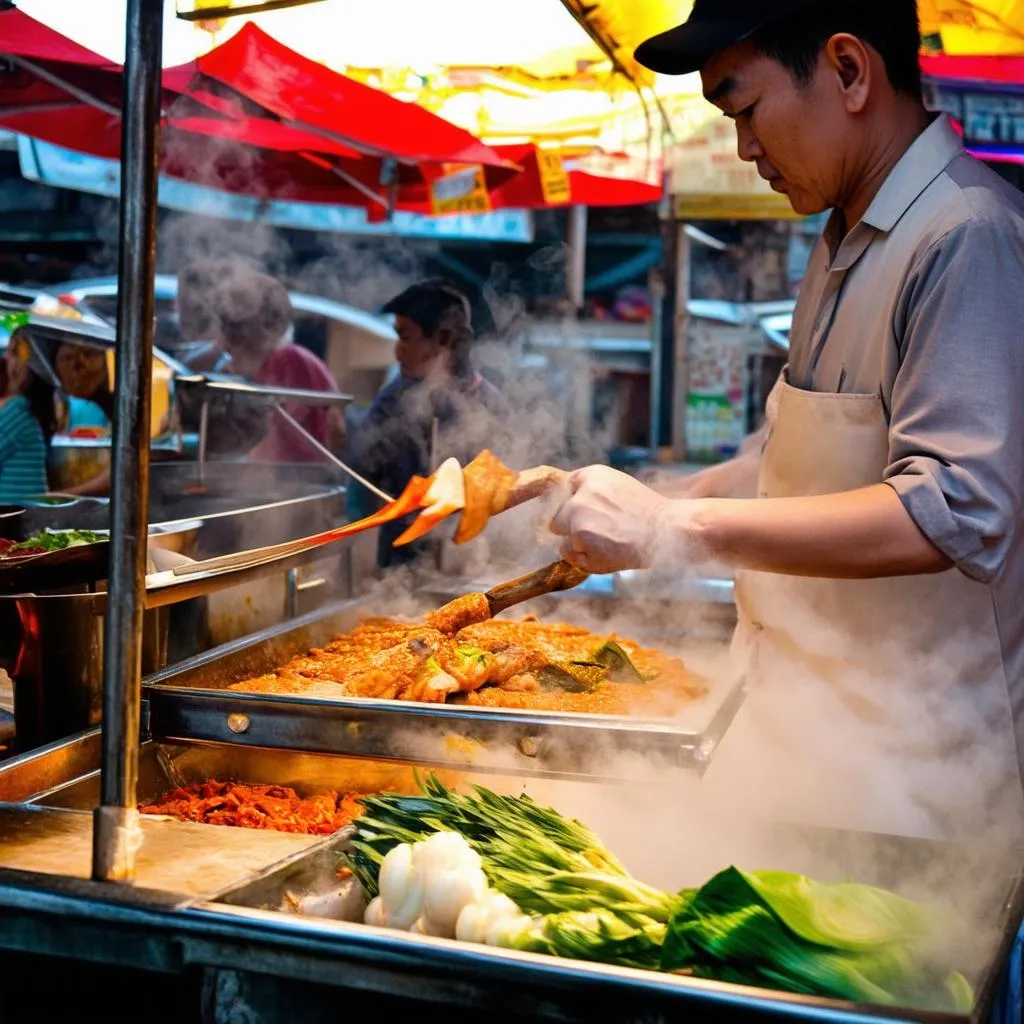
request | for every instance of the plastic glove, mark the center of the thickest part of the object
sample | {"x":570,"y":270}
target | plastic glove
{"x":612,"y":522}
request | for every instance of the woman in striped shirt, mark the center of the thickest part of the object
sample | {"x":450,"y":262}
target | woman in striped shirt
{"x":27,"y":422}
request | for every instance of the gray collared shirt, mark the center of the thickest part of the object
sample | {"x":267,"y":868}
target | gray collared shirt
{"x":922,"y":303}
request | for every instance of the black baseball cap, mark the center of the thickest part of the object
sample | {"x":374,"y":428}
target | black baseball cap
{"x":713,"y":26}
{"x":427,"y":303}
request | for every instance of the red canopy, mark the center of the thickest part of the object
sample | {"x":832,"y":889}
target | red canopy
{"x":996,"y":70}
{"x":217,"y":135}
{"x":31,"y":39}
{"x":303,"y":93}
{"x":545,"y":183}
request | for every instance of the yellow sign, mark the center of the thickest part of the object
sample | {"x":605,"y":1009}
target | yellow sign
{"x":720,"y":207}
{"x":710,"y":182}
{"x":554,"y":180}
{"x":461,"y":191}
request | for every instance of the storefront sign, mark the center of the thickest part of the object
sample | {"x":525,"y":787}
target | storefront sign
{"x":988,"y":118}
{"x":461,"y":191}
{"x":709,"y":181}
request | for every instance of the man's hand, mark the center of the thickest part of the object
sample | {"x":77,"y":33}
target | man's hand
{"x":611,"y":522}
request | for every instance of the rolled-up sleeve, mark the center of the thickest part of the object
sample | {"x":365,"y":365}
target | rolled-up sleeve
{"x":956,"y":438}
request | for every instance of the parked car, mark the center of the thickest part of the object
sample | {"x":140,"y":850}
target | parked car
{"x":357,"y":346}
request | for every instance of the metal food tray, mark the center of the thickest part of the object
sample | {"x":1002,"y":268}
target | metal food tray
{"x":191,"y":702}
{"x":251,"y":925}
{"x":307,"y":887}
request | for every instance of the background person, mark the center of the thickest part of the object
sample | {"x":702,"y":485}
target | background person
{"x":255,"y":320}
{"x":84,"y":379}
{"x":27,"y":422}
{"x":437,"y":408}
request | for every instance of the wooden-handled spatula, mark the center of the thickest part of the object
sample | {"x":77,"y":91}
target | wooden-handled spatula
{"x":473,"y":608}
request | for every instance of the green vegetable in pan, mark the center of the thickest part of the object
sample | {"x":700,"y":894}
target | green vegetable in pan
{"x":777,"y":930}
{"x":58,"y":540}
{"x":553,"y":887}
{"x":614,"y":658}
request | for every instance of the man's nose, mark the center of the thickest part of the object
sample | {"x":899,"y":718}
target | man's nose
{"x":747,"y":144}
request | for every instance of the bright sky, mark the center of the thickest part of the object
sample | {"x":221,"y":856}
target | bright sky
{"x":370,"y":33}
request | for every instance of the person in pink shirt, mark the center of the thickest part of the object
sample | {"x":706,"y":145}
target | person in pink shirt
{"x":255,"y":320}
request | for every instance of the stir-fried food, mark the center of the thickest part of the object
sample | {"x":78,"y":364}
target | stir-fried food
{"x":269,"y":807}
{"x":497,"y":663}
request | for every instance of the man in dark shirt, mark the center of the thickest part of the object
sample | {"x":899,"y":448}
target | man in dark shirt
{"x":437,"y":408}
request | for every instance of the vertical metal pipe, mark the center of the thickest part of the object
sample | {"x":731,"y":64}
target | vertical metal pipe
{"x":577,"y":269}
{"x":204,"y":437}
{"x":115,"y":827}
{"x":681,"y":443}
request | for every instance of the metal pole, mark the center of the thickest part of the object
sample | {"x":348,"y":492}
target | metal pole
{"x":116,"y":832}
{"x":577,"y":269}
{"x":681,"y":331}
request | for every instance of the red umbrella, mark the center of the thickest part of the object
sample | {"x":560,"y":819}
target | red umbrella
{"x":217,"y":135}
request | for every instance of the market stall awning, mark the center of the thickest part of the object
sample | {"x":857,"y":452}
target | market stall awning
{"x":974,"y":27}
{"x":549,"y":181}
{"x":310,"y":96}
{"x":217,"y":136}
{"x":974,"y":69}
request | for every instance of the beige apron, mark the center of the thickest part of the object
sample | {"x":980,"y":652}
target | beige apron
{"x":877,"y":705}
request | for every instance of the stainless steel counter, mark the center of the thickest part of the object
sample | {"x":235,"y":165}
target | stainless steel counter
{"x":215,"y":910}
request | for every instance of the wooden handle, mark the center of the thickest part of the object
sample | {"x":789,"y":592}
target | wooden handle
{"x":530,"y":484}
{"x":549,"y":580}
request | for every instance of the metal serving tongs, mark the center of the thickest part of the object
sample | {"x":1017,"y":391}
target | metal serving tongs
{"x":483,"y":489}
{"x":470,"y":609}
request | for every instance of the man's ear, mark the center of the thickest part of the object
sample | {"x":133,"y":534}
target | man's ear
{"x":444,"y":337}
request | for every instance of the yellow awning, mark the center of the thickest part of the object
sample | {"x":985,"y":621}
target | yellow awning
{"x":625,"y":24}
{"x":975,"y":27}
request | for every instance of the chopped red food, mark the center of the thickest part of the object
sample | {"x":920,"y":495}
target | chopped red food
{"x":247,"y":806}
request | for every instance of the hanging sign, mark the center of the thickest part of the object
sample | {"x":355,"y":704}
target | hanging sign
{"x":460,"y":191}
{"x":554,"y":180}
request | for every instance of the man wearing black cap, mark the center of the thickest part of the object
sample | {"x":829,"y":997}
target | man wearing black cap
{"x":439,"y":406}
{"x":879,"y":571}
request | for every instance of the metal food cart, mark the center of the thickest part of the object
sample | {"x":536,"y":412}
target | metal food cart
{"x":195,"y":921}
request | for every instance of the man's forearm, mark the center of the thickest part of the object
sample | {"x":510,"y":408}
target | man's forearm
{"x":855,"y":535}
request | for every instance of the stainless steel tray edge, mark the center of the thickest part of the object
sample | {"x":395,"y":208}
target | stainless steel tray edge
{"x":562,"y":743}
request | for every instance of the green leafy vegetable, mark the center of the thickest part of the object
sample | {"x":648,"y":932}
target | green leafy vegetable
{"x":58,"y":540}
{"x":765,"y":929}
{"x":785,"y":931}
{"x":617,"y":661}
{"x":12,"y":321}
{"x":544,"y":862}
{"x":597,"y":935}
{"x":572,"y":676}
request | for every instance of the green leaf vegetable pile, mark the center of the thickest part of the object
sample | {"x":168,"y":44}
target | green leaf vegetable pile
{"x":507,"y":872}
{"x":58,"y":540}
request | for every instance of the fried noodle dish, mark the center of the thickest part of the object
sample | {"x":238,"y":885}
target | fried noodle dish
{"x":269,"y":807}
{"x":522,"y":664}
